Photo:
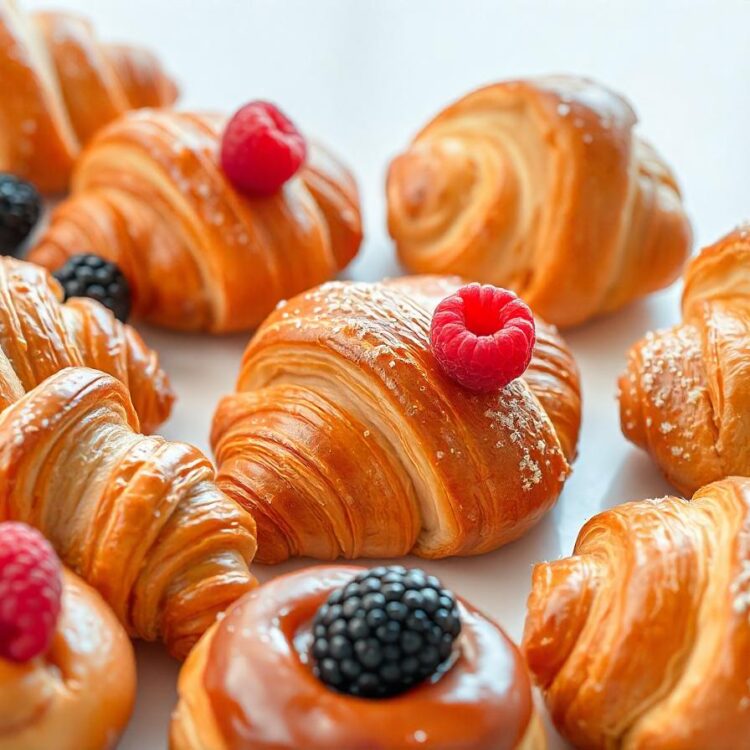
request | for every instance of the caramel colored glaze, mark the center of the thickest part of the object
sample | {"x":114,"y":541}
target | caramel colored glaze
{"x":149,"y":194}
{"x":346,"y":439}
{"x":80,"y":694}
{"x":685,"y":396}
{"x":138,"y":517}
{"x":40,"y":335}
{"x":541,"y":186}
{"x":641,"y":639}
{"x":60,"y":85}
{"x":264,"y":695}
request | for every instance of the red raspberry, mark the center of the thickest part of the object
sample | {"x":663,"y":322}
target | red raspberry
{"x":483,"y":336}
{"x":261,"y":149}
{"x":30,"y":592}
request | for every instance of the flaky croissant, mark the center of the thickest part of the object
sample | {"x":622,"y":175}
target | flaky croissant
{"x":685,"y":396}
{"x":80,"y":694}
{"x":139,"y":518}
{"x":150,"y":195}
{"x":540,"y":185}
{"x":641,"y":639}
{"x":345,"y":439}
{"x":249,"y":685}
{"x":60,"y":85}
{"x":40,"y":335}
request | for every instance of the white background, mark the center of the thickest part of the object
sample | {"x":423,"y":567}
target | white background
{"x":363,"y":76}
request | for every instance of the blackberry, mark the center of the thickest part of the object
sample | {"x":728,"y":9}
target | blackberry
{"x":91,"y":276}
{"x":383,"y":632}
{"x":20,"y":209}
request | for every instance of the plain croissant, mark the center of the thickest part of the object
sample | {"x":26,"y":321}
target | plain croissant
{"x":641,"y":639}
{"x":541,"y":186}
{"x":60,"y":85}
{"x":345,"y":439}
{"x":685,"y":396}
{"x":150,"y":195}
{"x":138,"y":518}
{"x":40,"y":335}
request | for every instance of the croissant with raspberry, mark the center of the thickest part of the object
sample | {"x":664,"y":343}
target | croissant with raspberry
{"x":345,"y":438}
{"x":249,"y":684}
{"x":40,"y":335}
{"x":138,"y":518}
{"x":641,"y":639}
{"x":685,"y":397}
{"x":541,"y":186}
{"x":149,"y":194}
{"x":60,"y":85}
{"x":81,"y":692}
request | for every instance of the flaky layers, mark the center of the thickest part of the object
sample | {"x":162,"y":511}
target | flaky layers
{"x":139,"y":518}
{"x":60,"y":85}
{"x":345,"y":439}
{"x":40,"y":335}
{"x":79,"y":695}
{"x":685,"y":396}
{"x":248,"y":685}
{"x":540,"y":185}
{"x":641,"y":639}
{"x":150,"y":195}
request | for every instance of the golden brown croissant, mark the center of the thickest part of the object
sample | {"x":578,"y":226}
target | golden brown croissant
{"x":641,"y":639}
{"x":685,"y":396}
{"x":80,"y":694}
{"x":139,"y":518}
{"x":40,"y":336}
{"x":248,"y":685}
{"x":541,"y":186}
{"x":150,"y":195}
{"x":345,"y":439}
{"x":60,"y":85}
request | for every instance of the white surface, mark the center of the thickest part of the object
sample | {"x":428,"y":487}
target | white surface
{"x":364,"y":75}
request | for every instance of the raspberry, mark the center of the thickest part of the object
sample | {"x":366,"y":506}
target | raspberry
{"x":30,"y":591}
{"x":261,"y":149}
{"x":483,"y":337}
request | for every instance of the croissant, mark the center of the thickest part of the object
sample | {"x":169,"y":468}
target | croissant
{"x":245,"y":686}
{"x":60,"y":85}
{"x":685,"y":396}
{"x":79,"y":695}
{"x":641,"y":639}
{"x":149,"y":195}
{"x":138,"y":518}
{"x":541,"y":186}
{"x":39,"y":336}
{"x":345,"y":439}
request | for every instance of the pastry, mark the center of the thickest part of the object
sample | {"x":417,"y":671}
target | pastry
{"x":253,"y":682}
{"x":150,"y":195}
{"x":60,"y":85}
{"x":39,"y":336}
{"x":541,"y":186}
{"x":345,"y":438}
{"x":138,"y":518}
{"x":78,"y":692}
{"x":685,"y":396}
{"x":641,"y":639}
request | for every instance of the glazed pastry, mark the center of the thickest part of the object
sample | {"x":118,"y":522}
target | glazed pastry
{"x":60,"y":85}
{"x":139,"y":518}
{"x":251,"y":683}
{"x":40,"y":335}
{"x":150,"y":195}
{"x":81,"y":692}
{"x":541,"y":186}
{"x":641,"y":639}
{"x":345,"y":439}
{"x":685,"y":397}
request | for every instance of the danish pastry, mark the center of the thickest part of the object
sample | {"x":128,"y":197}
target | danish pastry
{"x":541,"y":186}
